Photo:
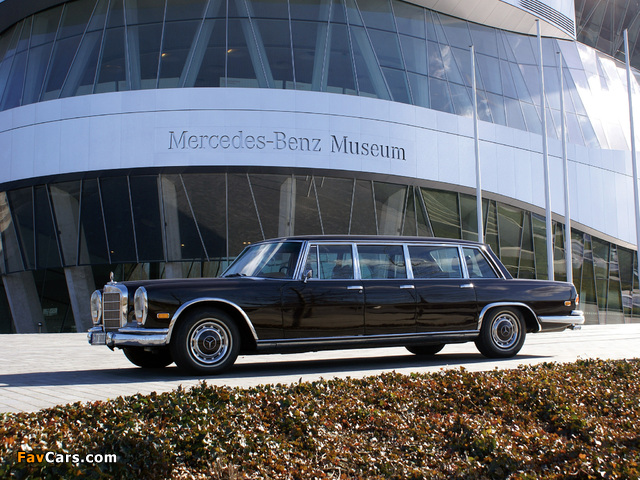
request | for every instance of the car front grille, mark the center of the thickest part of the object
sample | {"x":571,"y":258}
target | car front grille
{"x":114,"y":307}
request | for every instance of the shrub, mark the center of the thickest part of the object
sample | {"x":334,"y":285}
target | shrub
{"x":575,"y":420}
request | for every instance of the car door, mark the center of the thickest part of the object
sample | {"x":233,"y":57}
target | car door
{"x":330,"y":301}
{"x":446,"y":300}
{"x":389,"y":295}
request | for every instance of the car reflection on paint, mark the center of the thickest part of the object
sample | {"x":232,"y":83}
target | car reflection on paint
{"x":307,"y":293}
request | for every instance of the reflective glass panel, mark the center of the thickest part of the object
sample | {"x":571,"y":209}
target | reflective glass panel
{"x":117,"y":216}
{"x":145,"y":201}
{"x":276,"y":39}
{"x":144,"y":45}
{"x":435,"y":262}
{"x":47,"y":251}
{"x":21,"y":203}
{"x":93,"y":243}
{"x":45,"y":25}
{"x":38,"y":60}
{"x":176,"y":43}
{"x":387,"y":48}
{"x":112,"y":75}
{"x":307,"y":217}
{"x":244,"y":227}
{"x":477,"y":264}
{"x":330,"y":262}
{"x":381,"y":262}
{"x":363,"y":219}
{"x":65,"y":198}
{"x":415,"y":54}
{"x":443,"y":211}
{"x":63,"y":55}
{"x":208,"y":66}
{"x":242,"y":56}
{"x":339,"y":64}
{"x":410,"y":18}
{"x":334,"y":197}
{"x":183,"y":240}
{"x":144,"y":11}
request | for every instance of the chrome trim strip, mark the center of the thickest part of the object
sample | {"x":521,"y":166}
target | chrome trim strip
{"x":182,"y":307}
{"x":507,"y":304}
{"x":463,"y":263}
{"x":458,"y":334}
{"x":150,"y":338}
{"x":575,"y":318}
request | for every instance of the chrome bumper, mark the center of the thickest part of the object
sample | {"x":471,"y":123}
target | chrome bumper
{"x":561,"y":322}
{"x":129,"y":337}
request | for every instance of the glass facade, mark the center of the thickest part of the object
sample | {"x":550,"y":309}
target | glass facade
{"x":601,"y":23}
{"x":137,"y":224}
{"x":378,"y":48}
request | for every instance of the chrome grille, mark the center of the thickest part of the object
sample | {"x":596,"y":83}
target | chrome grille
{"x":114,"y":306}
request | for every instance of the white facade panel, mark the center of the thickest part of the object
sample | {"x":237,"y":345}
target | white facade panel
{"x":272,"y":128}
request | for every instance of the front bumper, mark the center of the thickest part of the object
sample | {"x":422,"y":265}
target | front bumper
{"x":129,"y":337}
{"x":555,"y":323}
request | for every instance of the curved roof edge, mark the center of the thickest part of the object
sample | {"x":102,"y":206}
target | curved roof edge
{"x":558,"y":16}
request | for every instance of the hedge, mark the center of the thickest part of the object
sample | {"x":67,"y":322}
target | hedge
{"x":578,"y":420}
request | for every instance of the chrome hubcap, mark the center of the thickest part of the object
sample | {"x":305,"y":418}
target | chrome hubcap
{"x":209,"y":341}
{"x":505,"y":330}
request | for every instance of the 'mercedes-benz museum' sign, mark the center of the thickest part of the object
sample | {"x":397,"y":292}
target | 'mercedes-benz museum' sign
{"x":283,"y":142}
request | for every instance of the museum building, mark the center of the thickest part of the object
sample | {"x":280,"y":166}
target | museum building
{"x":158,"y":138}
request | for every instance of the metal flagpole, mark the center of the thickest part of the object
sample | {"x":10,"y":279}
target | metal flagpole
{"x":476,"y":139}
{"x":634,"y":159}
{"x":545,"y":161}
{"x":565,"y":170}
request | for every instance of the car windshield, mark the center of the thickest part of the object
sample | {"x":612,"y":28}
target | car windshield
{"x":268,"y":260}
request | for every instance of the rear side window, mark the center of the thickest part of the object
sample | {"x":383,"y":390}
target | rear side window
{"x":477,"y":264}
{"x":435,"y":261}
{"x":330,"y":262}
{"x":381,"y":261}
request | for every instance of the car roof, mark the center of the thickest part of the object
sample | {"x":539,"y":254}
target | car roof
{"x":371,"y":238}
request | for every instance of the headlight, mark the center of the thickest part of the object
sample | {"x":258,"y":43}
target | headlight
{"x":141,"y":304}
{"x":96,"y":307}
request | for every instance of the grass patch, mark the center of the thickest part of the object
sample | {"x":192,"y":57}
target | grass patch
{"x":579,"y":420}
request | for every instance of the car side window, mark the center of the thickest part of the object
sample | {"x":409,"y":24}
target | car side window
{"x":330,"y":262}
{"x":435,"y":261}
{"x":477,"y":264}
{"x":381,"y":261}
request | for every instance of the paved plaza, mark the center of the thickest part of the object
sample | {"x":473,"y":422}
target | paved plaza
{"x":43,"y":370}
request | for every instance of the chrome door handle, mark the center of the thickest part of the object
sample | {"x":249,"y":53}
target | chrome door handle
{"x":354,"y":287}
{"x":406,"y":287}
{"x":466,"y":285}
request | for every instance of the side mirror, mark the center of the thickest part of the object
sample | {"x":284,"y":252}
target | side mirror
{"x":307,"y":275}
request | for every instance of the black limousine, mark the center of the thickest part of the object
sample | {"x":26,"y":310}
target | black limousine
{"x":309,"y":293}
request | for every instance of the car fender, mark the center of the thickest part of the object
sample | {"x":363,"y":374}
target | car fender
{"x":210,"y":300}
{"x":488,"y":307}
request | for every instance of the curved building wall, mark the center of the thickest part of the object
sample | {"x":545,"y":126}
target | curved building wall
{"x":159,"y":141}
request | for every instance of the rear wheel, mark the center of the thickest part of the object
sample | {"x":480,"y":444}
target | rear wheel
{"x":207,"y":342}
{"x":425,"y":350}
{"x":156,"y":358}
{"x":502,"y":334}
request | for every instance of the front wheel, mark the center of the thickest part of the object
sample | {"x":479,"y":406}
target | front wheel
{"x":502,"y":334}
{"x":207,"y":342}
{"x":156,"y":358}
